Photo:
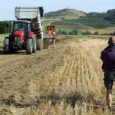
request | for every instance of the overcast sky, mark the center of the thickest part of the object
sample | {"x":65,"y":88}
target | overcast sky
{"x":7,"y":6}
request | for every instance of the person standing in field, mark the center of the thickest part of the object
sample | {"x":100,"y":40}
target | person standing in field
{"x":51,"y":32}
{"x":53,"y":39}
{"x":108,"y":67}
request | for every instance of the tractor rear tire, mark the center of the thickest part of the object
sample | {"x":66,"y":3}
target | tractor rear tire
{"x":6,"y":49}
{"x":39,"y":44}
{"x":34,"y":44}
{"x":6,"y":46}
{"x":29,"y":47}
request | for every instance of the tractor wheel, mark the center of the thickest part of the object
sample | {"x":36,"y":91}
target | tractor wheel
{"x":29,"y":46}
{"x":39,"y":44}
{"x":34,"y":44}
{"x":6,"y":46}
{"x":6,"y":49}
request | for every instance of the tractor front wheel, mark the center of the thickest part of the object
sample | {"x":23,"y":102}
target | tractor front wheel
{"x":6,"y":46}
{"x":29,"y":46}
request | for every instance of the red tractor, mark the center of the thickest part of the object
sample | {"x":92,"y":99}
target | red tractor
{"x":26,"y":32}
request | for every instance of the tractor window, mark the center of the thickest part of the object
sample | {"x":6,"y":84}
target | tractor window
{"x":50,"y":28}
{"x":29,"y":28}
{"x":20,"y":26}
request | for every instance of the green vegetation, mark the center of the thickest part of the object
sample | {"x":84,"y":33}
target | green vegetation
{"x":110,"y":17}
{"x":96,"y":22}
{"x":4,"y":27}
{"x":93,"y":22}
{"x":71,"y":20}
{"x":77,"y":32}
{"x":86,"y":20}
{"x":2,"y":36}
{"x":72,"y":32}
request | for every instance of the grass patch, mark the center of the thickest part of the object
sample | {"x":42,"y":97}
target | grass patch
{"x":2,"y":37}
{"x":92,"y":22}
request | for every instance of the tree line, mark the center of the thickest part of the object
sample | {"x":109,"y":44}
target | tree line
{"x":5,"y":27}
{"x":77,"y":32}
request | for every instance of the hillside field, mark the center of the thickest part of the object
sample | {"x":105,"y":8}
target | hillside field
{"x":72,"y":19}
{"x":69,"y":26}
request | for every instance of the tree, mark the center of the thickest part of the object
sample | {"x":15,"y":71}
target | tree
{"x":110,"y":17}
{"x":5,"y":27}
{"x":62,"y":32}
{"x":73,"y":32}
{"x":96,"y":33}
{"x":87,"y":33}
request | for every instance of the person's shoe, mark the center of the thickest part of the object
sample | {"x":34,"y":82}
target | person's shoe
{"x":110,"y":109}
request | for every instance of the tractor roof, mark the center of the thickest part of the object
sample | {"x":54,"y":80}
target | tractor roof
{"x":52,"y":25}
{"x":23,"y":21}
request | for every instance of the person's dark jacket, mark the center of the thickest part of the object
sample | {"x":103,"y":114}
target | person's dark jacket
{"x":108,"y":58}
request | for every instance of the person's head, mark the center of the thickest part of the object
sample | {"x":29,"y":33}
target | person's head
{"x":111,"y":40}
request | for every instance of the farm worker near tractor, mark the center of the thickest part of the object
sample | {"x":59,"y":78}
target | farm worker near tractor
{"x":51,"y":31}
{"x":108,"y":58}
{"x":54,"y":39}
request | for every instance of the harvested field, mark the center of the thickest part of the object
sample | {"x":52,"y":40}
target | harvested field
{"x":66,"y":80}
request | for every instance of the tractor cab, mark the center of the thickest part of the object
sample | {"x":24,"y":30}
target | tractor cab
{"x":20,"y":28}
{"x":50,"y":30}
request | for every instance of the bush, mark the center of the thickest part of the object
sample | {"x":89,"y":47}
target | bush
{"x":96,"y":33}
{"x":74,"y":32}
{"x":62,"y":32}
{"x":5,"y":27}
{"x":87,"y":33}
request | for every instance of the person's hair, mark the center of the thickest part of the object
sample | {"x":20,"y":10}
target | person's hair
{"x":110,"y":41}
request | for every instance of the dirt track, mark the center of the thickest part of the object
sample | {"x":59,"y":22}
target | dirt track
{"x":70,"y":71}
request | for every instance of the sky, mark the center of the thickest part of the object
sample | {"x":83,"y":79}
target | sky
{"x":7,"y":6}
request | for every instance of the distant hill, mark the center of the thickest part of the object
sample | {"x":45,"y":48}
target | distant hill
{"x":80,"y":20}
{"x":65,"y":14}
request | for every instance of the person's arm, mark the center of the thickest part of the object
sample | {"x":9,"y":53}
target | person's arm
{"x":103,"y":58}
{"x":54,"y":33}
